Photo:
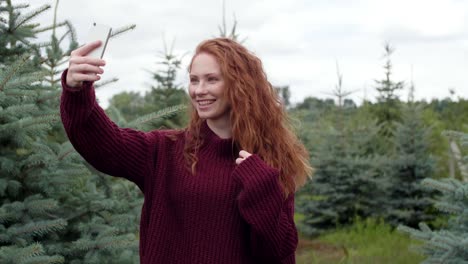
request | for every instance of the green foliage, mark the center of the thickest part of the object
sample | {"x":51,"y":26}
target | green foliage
{"x":409,"y":202}
{"x":372,"y":241}
{"x":223,"y":31}
{"x":49,"y":197}
{"x":346,"y":180}
{"x":388,"y":101}
{"x":451,"y":112}
{"x":387,"y":109}
{"x":27,"y":217}
{"x":366,"y":241}
{"x":165,"y":99}
{"x":447,"y":245}
{"x":368,"y":162}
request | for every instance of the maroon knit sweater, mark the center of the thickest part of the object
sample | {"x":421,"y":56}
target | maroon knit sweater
{"x":225,"y":213}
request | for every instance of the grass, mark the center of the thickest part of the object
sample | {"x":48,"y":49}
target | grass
{"x":366,"y":242}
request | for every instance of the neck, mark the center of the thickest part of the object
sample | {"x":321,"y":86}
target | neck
{"x":222,"y":127}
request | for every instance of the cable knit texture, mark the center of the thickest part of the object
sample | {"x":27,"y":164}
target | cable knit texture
{"x":224,"y":214}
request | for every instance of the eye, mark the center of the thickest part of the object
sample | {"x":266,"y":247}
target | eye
{"x":193,"y":80}
{"x":212,"y":79}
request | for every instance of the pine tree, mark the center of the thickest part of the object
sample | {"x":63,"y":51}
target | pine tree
{"x":345,"y":183}
{"x":27,"y":215}
{"x":409,"y":162}
{"x":166,"y":97}
{"x":449,"y":244}
{"x":388,"y":100}
{"x":54,"y":207}
{"x":409,"y":202}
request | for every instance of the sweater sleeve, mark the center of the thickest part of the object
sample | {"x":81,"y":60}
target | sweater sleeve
{"x":271,"y":217}
{"x":120,"y":152}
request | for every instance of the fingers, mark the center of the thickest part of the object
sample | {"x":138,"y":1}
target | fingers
{"x":84,"y":68}
{"x":74,"y":59}
{"x":243,"y":155}
{"x":85,"y":49}
{"x":79,"y":77}
{"x":86,"y":60}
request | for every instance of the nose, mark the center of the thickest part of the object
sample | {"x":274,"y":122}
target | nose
{"x":200,"y":89}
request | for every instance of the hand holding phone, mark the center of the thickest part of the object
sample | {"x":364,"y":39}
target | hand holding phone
{"x":102,"y":33}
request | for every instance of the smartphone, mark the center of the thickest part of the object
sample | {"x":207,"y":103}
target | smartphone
{"x":102,"y":33}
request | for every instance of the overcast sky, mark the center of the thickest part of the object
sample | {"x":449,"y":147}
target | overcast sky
{"x":299,"y":41}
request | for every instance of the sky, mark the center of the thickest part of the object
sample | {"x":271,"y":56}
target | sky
{"x":300,"y":42}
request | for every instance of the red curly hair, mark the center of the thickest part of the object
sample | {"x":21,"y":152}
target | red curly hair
{"x":251,"y":95}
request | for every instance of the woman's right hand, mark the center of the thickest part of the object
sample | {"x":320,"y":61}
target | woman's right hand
{"x":82,"y":67}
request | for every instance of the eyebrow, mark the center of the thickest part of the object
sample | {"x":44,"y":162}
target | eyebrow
{"x":207,"y":74}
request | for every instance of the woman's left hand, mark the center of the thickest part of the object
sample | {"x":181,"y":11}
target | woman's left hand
{"x":243,"y":155}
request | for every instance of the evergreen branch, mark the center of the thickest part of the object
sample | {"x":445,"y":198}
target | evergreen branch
{"x":49,"y":96}
{"x":40,"y":207}
{"x":28,"y":252}
{"x":38,"y":228}
{"x":115,"y":243}
{"x":25,"y":82}
{"x":13,"y":71}
{"x":31,"y":15}
{"x":29,"y":122}
{"x":64,"y":36}
{"x":424,"y":227}
{"x":72,"y":30}
{"x":449,"y":208}
{"x":18,"y":109}
{"x":31,"y":168}
{"x":20,"y":93}
{"x":105,"y":82}
{"x":438,"y":185}
{"x":40,"y":30}
{"x":414,"y":233}
{"x":83,"y":245}
{"x":39,"y":45}
{"x":24,"y":41}
{"x":70,"y":174}
{"x":20,"y":6}
{"x":121,"y":30}
{"x":6,"y":217}
{"x":65,"y":153}
{"x":56,"y":259}
{"x":116,"y":114}
{"x":158,"y":115}
{"x":78,"y":214}
{"x":62,"y":63}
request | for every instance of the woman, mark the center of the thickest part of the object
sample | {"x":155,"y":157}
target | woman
{"x":219,"y":191}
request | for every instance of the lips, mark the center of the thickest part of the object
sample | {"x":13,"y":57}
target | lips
{"x":205,"y":102}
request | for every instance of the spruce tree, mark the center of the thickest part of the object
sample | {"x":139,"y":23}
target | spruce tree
{"x":28,"y":223}
{"x":54,"y":207}
{"x":166,"y":98}
{"x":345,"y":184}
{"x":449,"y":244}
{"x":387,"y":108}
{"x":408,"y":201}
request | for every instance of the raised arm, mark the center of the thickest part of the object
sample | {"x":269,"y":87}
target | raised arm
{"x":119,"y":152}
{"x":263,"y":206}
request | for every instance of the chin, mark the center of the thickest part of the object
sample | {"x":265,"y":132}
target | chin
{"x":203,"y":115}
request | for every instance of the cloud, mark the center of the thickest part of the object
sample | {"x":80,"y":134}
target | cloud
{"x":299,"y":41}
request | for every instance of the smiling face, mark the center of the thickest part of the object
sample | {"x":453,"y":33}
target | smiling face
{"x":206,"y":88}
